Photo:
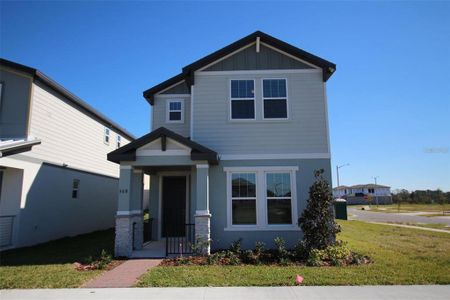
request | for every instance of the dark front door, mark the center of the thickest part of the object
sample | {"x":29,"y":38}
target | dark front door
{"x":173,"y":206}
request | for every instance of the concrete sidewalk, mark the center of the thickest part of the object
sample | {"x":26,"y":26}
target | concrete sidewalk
{"x":414,"y":292}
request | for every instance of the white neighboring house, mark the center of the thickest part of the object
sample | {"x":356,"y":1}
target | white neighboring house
{"x":55,"y":180}
{"x":364,"y":193}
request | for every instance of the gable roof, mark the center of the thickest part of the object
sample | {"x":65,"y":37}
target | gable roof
{"x":42,"y":78}
{"x":187,"y":73}
{"x":128,"y":152}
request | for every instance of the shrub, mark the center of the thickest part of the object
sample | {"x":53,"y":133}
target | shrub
{"x":248,"y":257}
{"x":198,"y":248}
{"x":300,"y":251}
{"x":259,"y":248}
{"x":317,"y":221}
{"x":233,"y":258}
{"x":236,"y":246}
{"x":316,"y":258}
{"x":280,"y":252}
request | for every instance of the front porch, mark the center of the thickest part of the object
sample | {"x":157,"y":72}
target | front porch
{"x":179,"y":196}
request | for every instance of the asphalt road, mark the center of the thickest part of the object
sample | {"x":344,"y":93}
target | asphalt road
{"x":368,"y":216}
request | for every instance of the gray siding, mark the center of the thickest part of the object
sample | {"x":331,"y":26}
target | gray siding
{"x":181,"y":88}
{"x":304,"y":132}
{"x":159,"y":115}
{"x":222,"y":239}
{"x":14,"y":105}
{"x":249,"y":59}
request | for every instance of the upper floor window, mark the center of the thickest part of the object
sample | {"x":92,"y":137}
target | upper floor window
{"x":242,"y":99}
{"x":119,"y":141}
{"x":275,"y":99}
{"x":371,"y":191}
{"x":175,"y":111}
{"x":75,"y":185}
{"x":106,"y":136}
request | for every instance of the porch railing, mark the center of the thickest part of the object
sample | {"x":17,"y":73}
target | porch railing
{"x":148,"y":228}
{"x":180,"y":244}
{"x":6,"y":230}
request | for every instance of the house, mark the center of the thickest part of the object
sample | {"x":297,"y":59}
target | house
{"x":237,"y":136}
{"x":55,"y":180}
{"x":364,"y":194}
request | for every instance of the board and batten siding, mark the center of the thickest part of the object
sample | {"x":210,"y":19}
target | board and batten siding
{"x":159,"y":110}
{"x":304,"y":132}
{"x":69,"y":135}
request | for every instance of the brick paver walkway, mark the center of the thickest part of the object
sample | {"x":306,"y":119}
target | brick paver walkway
{"x":125,"y":275}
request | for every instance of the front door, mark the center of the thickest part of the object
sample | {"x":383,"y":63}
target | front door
{"x":173,"y":206}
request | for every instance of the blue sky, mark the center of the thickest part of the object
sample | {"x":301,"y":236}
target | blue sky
{"x":389,"y":101}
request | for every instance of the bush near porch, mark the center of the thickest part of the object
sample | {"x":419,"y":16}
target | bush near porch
{"x":400,"y":256}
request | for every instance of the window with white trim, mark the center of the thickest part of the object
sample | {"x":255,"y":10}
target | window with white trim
{"x":75,"y":186}
{"x":279,"y":198}
{"x":106,"y":136}
{"x":118,"y":141}
{"x":261,"y":198}
{"x":242,"y":99}
{"x":275,"y":99}
{"x":175,"y":112}
{"x":243,"y":198}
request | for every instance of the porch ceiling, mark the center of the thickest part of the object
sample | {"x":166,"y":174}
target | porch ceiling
{"x":198,"y":152}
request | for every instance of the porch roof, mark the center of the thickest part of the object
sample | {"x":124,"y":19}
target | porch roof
{"x":128,"y":152}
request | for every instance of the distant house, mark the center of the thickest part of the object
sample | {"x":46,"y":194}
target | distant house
{"x":55,"y":180}
{"x":364,"y":194}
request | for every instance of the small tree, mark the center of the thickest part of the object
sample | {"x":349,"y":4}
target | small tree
{"x":317,"y":221}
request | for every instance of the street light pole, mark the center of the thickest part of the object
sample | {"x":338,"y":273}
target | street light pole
{"x":337,"y":172}
{"x":376,"y":197}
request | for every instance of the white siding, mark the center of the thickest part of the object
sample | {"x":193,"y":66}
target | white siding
{"x":69,"y":135}
{"x":305,"y":131}
{"x":159,"y":114}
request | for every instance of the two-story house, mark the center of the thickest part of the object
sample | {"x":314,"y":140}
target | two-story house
{"x":237,"y":137}
{"x":364,"y":194}
{"x":55,"y":180}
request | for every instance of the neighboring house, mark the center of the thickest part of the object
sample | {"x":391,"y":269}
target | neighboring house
{"x":55,"y":180}
{"x":237,"y":137}
{"x":364,"y":194}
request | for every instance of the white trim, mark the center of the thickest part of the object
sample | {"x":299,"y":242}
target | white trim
{"x":225,"y":57}
{"x":258,"y":169}
{"x":244,"y":99}
{"x":326,"y":116}
{"x":191,"y":128}
{"x":171,"y":86}
{"x":173,"y":95}
{"x":152,"y":152}
{"x":258,"y":72}
{"x":168,"y":111}
{"x":202,"y":213}
{"x":277,"y":98}
{"x":106,"y":129}
{"x":128,"y":212}
{"x":291,"y":56}
{"x":258,"y":44}
{"x":202,"y":166}
{"x":261,"y":198}
{"x":275,"y":156}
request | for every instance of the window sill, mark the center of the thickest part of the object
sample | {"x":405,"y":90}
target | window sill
{"x":263,"y":228}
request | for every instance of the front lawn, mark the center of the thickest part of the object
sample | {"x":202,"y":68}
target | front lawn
{"x":434,"y":209}
{"x":400,"y":256}
{"x":50,"y":265}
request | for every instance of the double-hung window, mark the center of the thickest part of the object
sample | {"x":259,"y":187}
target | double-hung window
{"x":75,"y":186}
{"x":275,"y":99}
{"x":175,"y":111}
{"x":242,"y":99}
{"x":279,"y":198}
{"x":106,"y":136}
{"x":243,"y":198}
{"x":261,"y":198}
{"x":119,"y":141}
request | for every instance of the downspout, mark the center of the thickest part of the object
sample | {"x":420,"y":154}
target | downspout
{"x":191,"y":125}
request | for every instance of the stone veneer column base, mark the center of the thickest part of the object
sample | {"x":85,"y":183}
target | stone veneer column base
{"x":124,"y":234}
{"x":203,"y":230}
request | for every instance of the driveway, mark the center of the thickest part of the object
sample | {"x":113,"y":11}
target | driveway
{"x":368,"y":216}
{"x":411,"y":292}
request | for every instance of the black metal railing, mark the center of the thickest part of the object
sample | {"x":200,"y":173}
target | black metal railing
{"x":148,"y":229}
{"x":180,"y":241}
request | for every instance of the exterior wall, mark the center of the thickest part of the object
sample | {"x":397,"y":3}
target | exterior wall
{"x":14,"y":104}
{"x":304,"y":132}
{"x":249,"y":59}
{"x":222,"y":238}
{"x":69,"y":135}
{"x":159,"y":114}
{"x":351,"y":200}
{"x":181,"y":88}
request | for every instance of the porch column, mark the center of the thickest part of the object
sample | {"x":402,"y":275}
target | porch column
{"x":129,"y":219}
{"x":202,"y":215}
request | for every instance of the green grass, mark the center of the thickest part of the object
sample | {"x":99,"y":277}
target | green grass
{"x":441,"y":226}
{"x":50,"y":265}
{"x":407,"y":207}
{"x":400,"y":255}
